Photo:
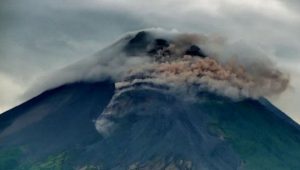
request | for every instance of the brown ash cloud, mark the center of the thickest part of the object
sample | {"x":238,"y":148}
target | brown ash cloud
{"x":172,"y":66}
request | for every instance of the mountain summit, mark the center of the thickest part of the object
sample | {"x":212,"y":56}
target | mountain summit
{"x":153,"y":100}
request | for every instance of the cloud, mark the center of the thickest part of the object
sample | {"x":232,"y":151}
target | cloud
{"x":37,"y":37}
{"x":9,"y":93}
{"x":49,"y":37}
{"x":235,"y":71}
{"x":108,"y":64}
{"x":288,"y":100}
{"x":231,"y":70}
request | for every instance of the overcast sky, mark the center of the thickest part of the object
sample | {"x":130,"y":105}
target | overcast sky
{"x":39,"y":36}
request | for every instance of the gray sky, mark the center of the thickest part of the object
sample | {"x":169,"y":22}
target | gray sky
{"x":37,"y":37}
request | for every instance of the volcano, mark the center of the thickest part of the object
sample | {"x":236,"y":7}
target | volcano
{"x":140,"y":118}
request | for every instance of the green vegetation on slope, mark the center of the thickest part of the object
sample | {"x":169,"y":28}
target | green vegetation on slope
{"x":53,"y":162}
{"x":263,"y":140}
{"x":9,"y":158}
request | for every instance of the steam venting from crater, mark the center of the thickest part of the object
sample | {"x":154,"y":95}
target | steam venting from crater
{"x":178,"y":62}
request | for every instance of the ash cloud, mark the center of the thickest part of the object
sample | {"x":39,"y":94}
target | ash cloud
{"x":192,"y":74}
{"x":219,"y":66}
{"x":186,"y":61}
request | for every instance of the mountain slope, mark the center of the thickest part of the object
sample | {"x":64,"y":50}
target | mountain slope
{"x":168,"y":105}
{"x":153,"y":129}
{"x":54,"y":121}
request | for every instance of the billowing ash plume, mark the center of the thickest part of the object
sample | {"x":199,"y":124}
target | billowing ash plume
{"x":192,"y":74}
{"x":188,"y":63}
{"x":182,"y":62}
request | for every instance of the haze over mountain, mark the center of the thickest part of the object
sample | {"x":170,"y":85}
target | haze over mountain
{"x":155,"y":99}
